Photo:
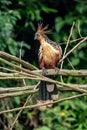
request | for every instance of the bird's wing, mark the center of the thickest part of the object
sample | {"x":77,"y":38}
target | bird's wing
{"x":40,"y":53}
{"x":55,"y":45}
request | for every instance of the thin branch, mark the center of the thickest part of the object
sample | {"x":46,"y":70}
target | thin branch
{"x":72,"y":87}
{"x":20,"y":69}
{"x":14,"y":58}
{"x":64,"y":72}
{"x":67,"y":89}
{"x":43,"y":104}
{"x":16,"y":89}
{"x":16,"y":73}
{"x":85,"y":39}
{"x":75,"y":40}
{"x":67,"y":44}
{"x":12,"y":94}
{"x":24,"y":82}
{"x":16,"y":66}
{"x":70,"y":63}
{"x":79,"y":28}
{"x":29,"y":97}
{"x":48,"y":80}
{"x":29,"y":89}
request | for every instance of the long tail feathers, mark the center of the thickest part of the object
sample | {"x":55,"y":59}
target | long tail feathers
{"x":47,"y":91}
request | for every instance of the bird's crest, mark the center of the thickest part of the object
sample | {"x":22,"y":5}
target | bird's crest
{"x":43,"y":30}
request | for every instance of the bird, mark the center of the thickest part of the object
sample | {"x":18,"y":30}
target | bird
{"x":49,"y":55}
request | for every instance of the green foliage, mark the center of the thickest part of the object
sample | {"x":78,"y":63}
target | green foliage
{"x":8,"y":19}
{"x":31,"y":11}
{"x":43,"y":128}
{"x":21,"y":18}
{"x":68,"y":115}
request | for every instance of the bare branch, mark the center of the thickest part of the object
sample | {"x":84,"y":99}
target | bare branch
{"x":83,"y":40}
{"x":43,"y":104}
{"x":67,"y":44}
{"x":16,"y":89}
{"x":12,"y":94}
{"x":27,"y":100}
{"x":14,"y":58}
{"x":64,"y":72}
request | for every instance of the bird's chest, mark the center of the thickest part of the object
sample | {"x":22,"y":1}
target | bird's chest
{"x":49,"y":54}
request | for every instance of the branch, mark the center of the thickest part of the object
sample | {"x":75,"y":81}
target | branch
{"x":16,"y":89}
{"x":85,"y":39}
{"x":78,"y":39}
{"x":43,"y":104}
{"x":67,"y":44}
{"x":77,"y":86}
{"x":14,"y":58}
{"x":64,"y":72}
{"x":16,"y":66}
{"x":27,"y":100}
{"x":5,"y":95}
{"x":40,"y":78}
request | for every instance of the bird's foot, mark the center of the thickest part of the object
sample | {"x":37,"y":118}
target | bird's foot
{"x":57,"y":69}
{"x":44,"y":71}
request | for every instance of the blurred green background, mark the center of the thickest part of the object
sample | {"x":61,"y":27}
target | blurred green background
{"x":18,"y":23}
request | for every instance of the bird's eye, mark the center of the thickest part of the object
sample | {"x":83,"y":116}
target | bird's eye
{"x":38,"y":35}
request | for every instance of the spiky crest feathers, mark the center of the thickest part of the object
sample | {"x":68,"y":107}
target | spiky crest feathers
{"x":43,"y":30}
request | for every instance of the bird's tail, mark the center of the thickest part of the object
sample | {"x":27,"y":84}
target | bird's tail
{"x":47,"y":91}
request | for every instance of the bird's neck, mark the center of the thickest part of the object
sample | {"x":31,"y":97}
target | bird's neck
{"x":43,"y":40}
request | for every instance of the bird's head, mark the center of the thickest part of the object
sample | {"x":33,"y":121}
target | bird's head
{"x":41,"y":31}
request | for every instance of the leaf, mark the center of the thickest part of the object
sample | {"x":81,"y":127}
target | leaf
{"x":17,"y":100}
{"x":75,"y":61}
{"x":59,"y":24}
{"x":43,"y":128}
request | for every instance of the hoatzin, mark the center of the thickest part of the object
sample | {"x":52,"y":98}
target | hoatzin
{"x":49,"y":55}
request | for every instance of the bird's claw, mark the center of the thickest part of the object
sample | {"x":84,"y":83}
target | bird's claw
{"x":44,"y":71}
{"x":57,"y":69}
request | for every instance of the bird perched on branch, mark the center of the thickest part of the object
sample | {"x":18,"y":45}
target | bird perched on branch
{"x":49,"y":55}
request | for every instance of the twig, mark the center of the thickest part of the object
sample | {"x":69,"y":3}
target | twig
{"x":14,"y":58}
{"x":16,"y":89}
{"x":16,"y":73}
{"x":29,"y":97}
{"x":21,"y":64}
{"x":75,"y":40}
{"x":66,"y":89}
{"x":19,"y":69}
{"x":70,"y":63}
{"x":67,"y":44}
{"x":57,"y":82}
{"x":26,"y":100}
{"x":12,"y":94}
{"x":16,"y":66}
{"x":79,"y":28}
{"x":73,"y":49}
{"x":72,"y":87}
{"x":43,"y":104}
{"x":48,"y":80}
